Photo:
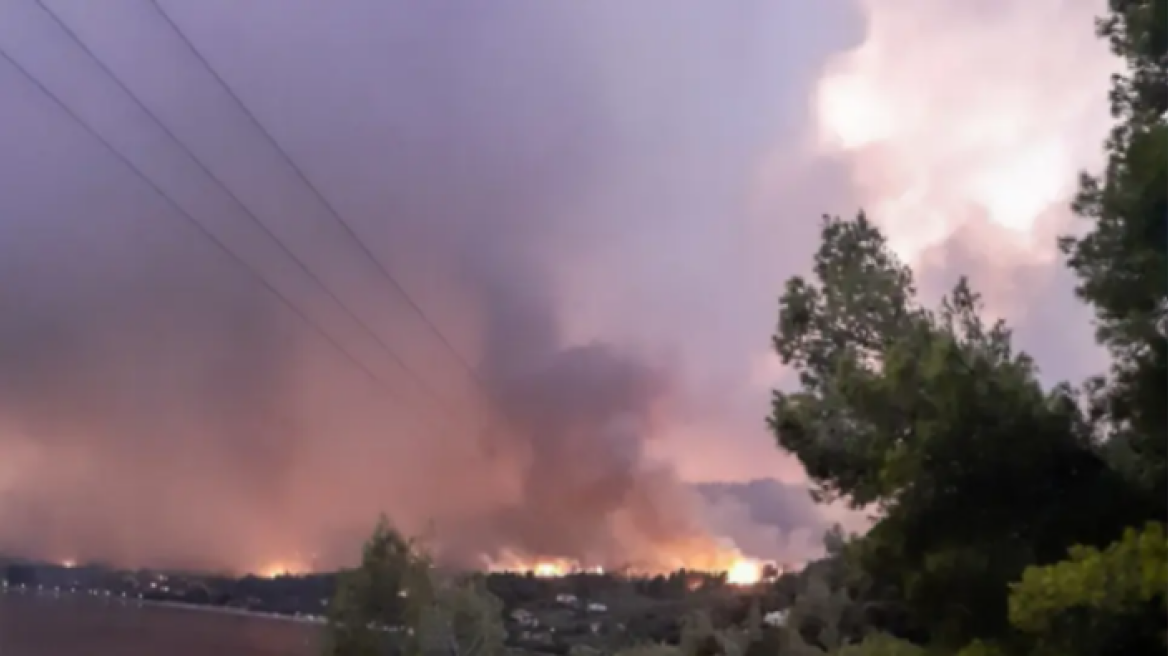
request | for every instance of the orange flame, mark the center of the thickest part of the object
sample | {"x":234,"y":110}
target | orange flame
{"x":739,"y":569}
{"x":744,"y":572}
{"x":543,"y":567}
{"x":276,"y":569}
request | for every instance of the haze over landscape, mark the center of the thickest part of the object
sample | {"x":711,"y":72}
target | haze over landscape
{"x":594,"y":204}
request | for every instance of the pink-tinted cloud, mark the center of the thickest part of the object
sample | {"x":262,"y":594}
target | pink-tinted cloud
{"x":961,"y":128}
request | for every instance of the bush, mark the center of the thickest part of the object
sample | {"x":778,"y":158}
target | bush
{"x":1098,"y":601}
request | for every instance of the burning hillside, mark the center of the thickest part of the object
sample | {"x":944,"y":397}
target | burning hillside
{"x":738,"y":569}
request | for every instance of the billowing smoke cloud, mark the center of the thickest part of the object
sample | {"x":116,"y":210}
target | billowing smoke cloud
{"x":569,"y":192}
{"x":159,"y":406}
{"x":583,"y":416}
{"x":963,"y":137}
{"x":947,"y":126}
{"x":768,"y":517}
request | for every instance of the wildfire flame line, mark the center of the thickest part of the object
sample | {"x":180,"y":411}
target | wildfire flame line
{"x":739,"y":570}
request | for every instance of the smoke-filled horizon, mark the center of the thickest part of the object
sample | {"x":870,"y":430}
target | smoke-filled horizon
{"x":595,"y":205}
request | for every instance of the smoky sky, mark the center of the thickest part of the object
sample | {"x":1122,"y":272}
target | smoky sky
{"x":595,"y":204}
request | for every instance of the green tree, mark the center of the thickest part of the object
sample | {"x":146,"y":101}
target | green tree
{"x":698,"y":637}
{"x":376,"y":597}
{"x":395,"y":602}
{"x":821,"y":622}
{"x":816,"y":621}
{"x":931,"y":418}
{"x":462,"y":619}
{"x":1099,"y":602}
{"x":1121,"y":261}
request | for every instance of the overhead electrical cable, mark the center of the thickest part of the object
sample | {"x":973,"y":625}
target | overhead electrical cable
{"x":182,"y":212}
{"x":341,"y":221}
{"x":198,"y":162}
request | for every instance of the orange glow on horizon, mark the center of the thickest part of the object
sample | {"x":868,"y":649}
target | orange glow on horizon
{"x":744,"y":571}
{"x":277,"y":569}
{"x":739,"y":569}
{"x":547,"y":570}
{"x":542,"y":567}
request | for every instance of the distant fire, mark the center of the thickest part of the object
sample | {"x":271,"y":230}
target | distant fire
{"x":548,"y":570}
{"x":543,"y":568}
{"x":274,"y":570}
{"x":290,"y":563}
{"x":739,"y":570}
{"x":744,"y":572}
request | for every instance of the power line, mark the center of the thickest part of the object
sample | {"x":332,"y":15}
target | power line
{"x":239,"y":203}
{"x":186,"y":215}
{"x":348,"y":229}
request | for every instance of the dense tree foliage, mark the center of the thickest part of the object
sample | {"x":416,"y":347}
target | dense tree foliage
{"x":981,"y":479}
{"x":395,"y":602}
{"x":1109,"y":601}
{"x":1121,"y":262}
{"x":933,"y":419}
